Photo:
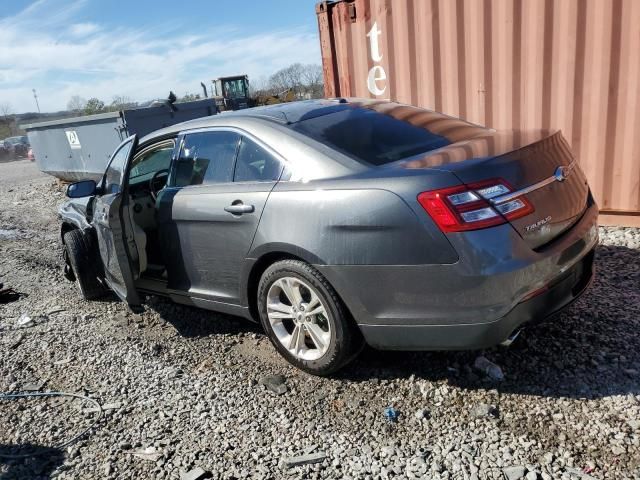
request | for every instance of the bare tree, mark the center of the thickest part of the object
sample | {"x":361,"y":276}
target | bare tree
{"x":189,"y":97}
{"x":6,"y":127}
{"x":76,"y":104}
{"x":288,"y":78}
{"x":5,"y":110}
{"x":303,"y":80}
{"x":312,"y":74}
{"x":120,"y":102}
{"x":258,"y":86}
{"x":313,"y":80}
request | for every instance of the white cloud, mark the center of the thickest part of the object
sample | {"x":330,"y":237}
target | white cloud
{"x":61,"y":57}
{"x":83,"y":29}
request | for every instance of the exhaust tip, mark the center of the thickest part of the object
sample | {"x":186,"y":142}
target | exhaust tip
{"x":511,"y":338}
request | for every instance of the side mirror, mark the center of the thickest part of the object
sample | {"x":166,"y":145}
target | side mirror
{"x":85,"y":188}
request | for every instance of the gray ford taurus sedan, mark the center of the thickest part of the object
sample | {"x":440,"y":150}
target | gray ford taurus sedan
{"x":339,"y":222}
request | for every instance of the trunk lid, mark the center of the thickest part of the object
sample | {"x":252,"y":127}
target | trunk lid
{"x":525,"y":160}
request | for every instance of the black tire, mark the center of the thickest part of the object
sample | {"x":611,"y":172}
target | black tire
{"x":67,"y":271}
{"x":81,"y":252}
{"x":346,"y":340}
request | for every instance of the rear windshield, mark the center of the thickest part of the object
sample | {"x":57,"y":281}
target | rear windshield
{"x":369,"y":136}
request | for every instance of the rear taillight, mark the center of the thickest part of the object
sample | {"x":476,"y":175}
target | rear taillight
{"x":468,"y":207}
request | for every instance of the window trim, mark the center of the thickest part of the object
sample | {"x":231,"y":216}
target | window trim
{"x":182,"y":134}
{"x":154,"y":146}
{"x":176,"y":158}
{"x":167,"y":142}
{"x":235,"y":163}
{"x":103,"y":181}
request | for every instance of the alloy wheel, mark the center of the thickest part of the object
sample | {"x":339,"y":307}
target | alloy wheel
{"x":299,"y":318}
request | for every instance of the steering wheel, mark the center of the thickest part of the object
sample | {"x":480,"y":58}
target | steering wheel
{"x":154,"y":183}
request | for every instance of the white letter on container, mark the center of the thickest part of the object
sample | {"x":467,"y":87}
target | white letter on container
{"x":376,"y":74}
{"x":373,"y":35}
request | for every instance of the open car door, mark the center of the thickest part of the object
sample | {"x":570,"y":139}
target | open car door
{"x":108,"y":220}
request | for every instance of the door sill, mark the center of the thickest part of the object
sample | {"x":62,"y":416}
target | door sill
{"x":159,"y":287}
{"x":152,"y":285}
{"x":228,"y":308}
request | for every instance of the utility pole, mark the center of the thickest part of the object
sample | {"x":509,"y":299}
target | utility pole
{"x":35,"y":95}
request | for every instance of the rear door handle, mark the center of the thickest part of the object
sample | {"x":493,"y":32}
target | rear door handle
{"x":239,"y":208}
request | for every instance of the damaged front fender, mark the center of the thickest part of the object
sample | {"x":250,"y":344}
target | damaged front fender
{"x":74,"y":214}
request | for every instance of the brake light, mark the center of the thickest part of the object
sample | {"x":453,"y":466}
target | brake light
{"x":468,"y":207}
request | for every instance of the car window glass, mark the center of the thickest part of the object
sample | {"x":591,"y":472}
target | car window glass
{"x":206,"y":157}
{"x":113,"y":175}
{"x":370,"y":136}
{"x":255,"y":164}
{"x":151,"y":162}
{"x":234,"y":88}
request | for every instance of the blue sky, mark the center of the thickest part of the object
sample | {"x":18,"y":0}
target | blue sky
{"x":144,"y":48}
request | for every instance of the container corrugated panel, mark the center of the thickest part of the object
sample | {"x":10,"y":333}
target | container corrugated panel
{"x":567,"y":64}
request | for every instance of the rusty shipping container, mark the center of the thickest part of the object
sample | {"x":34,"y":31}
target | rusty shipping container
{"x":567,"y":64}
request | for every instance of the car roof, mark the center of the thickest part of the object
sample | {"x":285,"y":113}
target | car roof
{"x":270,"y":124}
{"x":290,"y":113}
{"x":282,"y":113}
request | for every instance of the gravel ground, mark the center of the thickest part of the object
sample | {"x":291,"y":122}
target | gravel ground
{"x":182,"y":387}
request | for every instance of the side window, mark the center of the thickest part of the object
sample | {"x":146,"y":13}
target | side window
{"x":255,"y":164}
{"x":206,"y":157}
{"x":113,"y":175}
{"x":152,"y":161}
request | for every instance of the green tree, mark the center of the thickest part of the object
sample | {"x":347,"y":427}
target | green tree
{"x":94,"y":105}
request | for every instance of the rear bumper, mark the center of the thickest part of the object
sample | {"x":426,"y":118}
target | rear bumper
{"x":565,"y":290}
{"x":474,"y":303}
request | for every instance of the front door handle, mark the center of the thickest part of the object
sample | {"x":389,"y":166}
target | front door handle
{"x":239,"y":208}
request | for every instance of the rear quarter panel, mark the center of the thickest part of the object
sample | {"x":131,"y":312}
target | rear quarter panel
{"x":348,"y":223}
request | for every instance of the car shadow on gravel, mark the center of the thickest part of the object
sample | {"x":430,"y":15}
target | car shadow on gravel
{"x":39,"y":466}
{"x":191,"y":322}
{"x":590,"y":350}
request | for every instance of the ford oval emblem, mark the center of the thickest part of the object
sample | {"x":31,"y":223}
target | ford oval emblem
{"x":560,"y":174}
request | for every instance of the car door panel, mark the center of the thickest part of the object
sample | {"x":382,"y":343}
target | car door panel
{"x":108,"y":222}
{"x":209,"y":214}
{"x":108,"y":228}
{"x":208,"y":243}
